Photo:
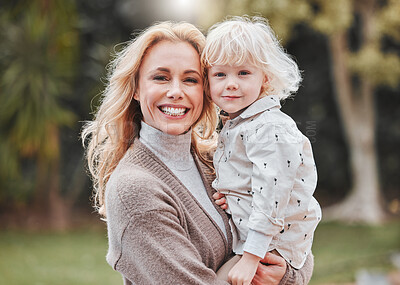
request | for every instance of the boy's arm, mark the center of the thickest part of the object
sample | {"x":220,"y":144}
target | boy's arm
{"x":244,"y":271}
{"x":274,"y":154}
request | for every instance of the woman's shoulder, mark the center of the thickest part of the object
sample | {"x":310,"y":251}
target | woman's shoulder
{"x":133,"y":187}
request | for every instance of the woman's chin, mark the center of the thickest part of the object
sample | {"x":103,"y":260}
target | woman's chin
{"x":174,"y":129}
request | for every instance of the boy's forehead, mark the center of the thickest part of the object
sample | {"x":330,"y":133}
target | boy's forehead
{"x":233,"y":65}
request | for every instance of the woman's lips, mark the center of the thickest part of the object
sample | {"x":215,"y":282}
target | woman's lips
{"x":173,"y":111}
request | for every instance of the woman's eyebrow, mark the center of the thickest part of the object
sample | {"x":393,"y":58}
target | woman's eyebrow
{"x":189,"y":71}
{"x":162,"y":69}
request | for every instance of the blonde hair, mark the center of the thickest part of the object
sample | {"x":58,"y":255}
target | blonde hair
{"x":240,"y":39}
{"x":117,"y":121}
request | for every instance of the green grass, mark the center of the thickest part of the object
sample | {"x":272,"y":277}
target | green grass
{"x":78,"y":257}
{"x":341,"y":250}
{"x":49,"y":258}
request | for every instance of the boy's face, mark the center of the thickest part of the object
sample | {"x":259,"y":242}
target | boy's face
{"x":234,"y":88}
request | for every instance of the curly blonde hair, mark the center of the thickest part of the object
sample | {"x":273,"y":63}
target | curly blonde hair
{"x":240,"y":39}
{"x":118,"y":118}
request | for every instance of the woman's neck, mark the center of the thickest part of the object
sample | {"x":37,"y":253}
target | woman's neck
{"x":172,"y":150}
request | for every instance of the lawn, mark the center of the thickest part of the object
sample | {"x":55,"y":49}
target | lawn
{"x":342,"y":251}
{"x":78,"y":257}
{"x":47,"y":258}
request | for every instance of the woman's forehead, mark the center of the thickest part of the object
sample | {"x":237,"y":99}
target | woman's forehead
{"x":172,"y":54}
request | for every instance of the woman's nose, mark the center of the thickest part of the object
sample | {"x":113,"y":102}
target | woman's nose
{"x":175,"y":92}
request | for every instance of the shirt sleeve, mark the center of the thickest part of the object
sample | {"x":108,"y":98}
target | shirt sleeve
{"x":255,"y":243}
{"x":273,"y":149}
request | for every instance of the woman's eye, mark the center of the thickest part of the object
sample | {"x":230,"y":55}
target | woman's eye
{"x":191,"y":80}
{"x":160,"y":78}
{"x":244,"y":72}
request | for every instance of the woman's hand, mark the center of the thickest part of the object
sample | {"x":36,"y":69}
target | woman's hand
{"x":272,"y":273}
{"x":220,"y":200}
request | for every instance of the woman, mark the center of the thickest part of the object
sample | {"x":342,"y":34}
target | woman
{"x":152,"y":174}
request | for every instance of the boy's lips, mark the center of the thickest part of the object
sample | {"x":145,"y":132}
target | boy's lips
{"x":229,"y":97}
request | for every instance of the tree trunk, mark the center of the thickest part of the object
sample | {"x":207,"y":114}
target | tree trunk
{"x":363,"y":204}
{"x":50,"y":208}
{"x":59,"y":213}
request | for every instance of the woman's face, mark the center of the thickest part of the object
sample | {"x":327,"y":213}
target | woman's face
{"x":170,"y":87}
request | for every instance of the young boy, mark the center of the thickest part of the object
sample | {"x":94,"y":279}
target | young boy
{"x":264,"y":165}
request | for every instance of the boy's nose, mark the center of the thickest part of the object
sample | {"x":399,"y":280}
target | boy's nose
{"x":232,"y":85}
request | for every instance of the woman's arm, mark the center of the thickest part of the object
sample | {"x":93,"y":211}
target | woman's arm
{"x":156,"y":250}
{"x":150,"y":241}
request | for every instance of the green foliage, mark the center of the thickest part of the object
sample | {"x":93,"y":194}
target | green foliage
{"x":380,"y":68}
{"x":331,"y":16}
{"x":388,"y":20}
{"x":39,"y":49}
{"x":38,"y":58}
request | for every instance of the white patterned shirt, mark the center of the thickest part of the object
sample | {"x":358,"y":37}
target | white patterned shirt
{"x":265,"y":167}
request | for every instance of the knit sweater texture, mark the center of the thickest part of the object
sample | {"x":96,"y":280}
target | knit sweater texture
{"x":159,"y":233}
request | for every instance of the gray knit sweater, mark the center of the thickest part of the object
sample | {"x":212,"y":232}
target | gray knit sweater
{"x":158,"y":232}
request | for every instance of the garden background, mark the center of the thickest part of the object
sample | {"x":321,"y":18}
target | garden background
{"x":53,"y":67}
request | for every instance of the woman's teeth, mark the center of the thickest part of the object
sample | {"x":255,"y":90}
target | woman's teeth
{"x":173,"y":111}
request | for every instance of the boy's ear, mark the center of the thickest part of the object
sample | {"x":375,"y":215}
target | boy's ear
{"x":136,"y":96}
{"x":265,"y":82}
{"x":266,"y":79}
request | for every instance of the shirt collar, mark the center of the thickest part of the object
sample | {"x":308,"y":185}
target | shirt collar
{"x":261,"y":105}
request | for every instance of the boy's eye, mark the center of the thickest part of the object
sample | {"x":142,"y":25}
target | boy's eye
{"x":244,"y":72}
{"x":219,"y":74}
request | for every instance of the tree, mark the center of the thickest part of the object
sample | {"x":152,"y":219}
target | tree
{"x":356,"y":71}
{"x":38,"y":55}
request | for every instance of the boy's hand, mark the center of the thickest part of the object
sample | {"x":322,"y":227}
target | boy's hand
{"x":243,"y":271}
{"x":220,"y":200}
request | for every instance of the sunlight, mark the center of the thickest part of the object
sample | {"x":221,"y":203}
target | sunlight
{"x":182,"y":9}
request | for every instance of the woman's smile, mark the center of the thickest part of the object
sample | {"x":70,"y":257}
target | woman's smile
{"x":174,"y":111}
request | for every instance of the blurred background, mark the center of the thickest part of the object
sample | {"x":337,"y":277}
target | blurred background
{"x":53,"y":65}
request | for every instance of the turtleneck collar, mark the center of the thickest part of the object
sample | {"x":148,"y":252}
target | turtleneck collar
{"x":174,"y":151}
